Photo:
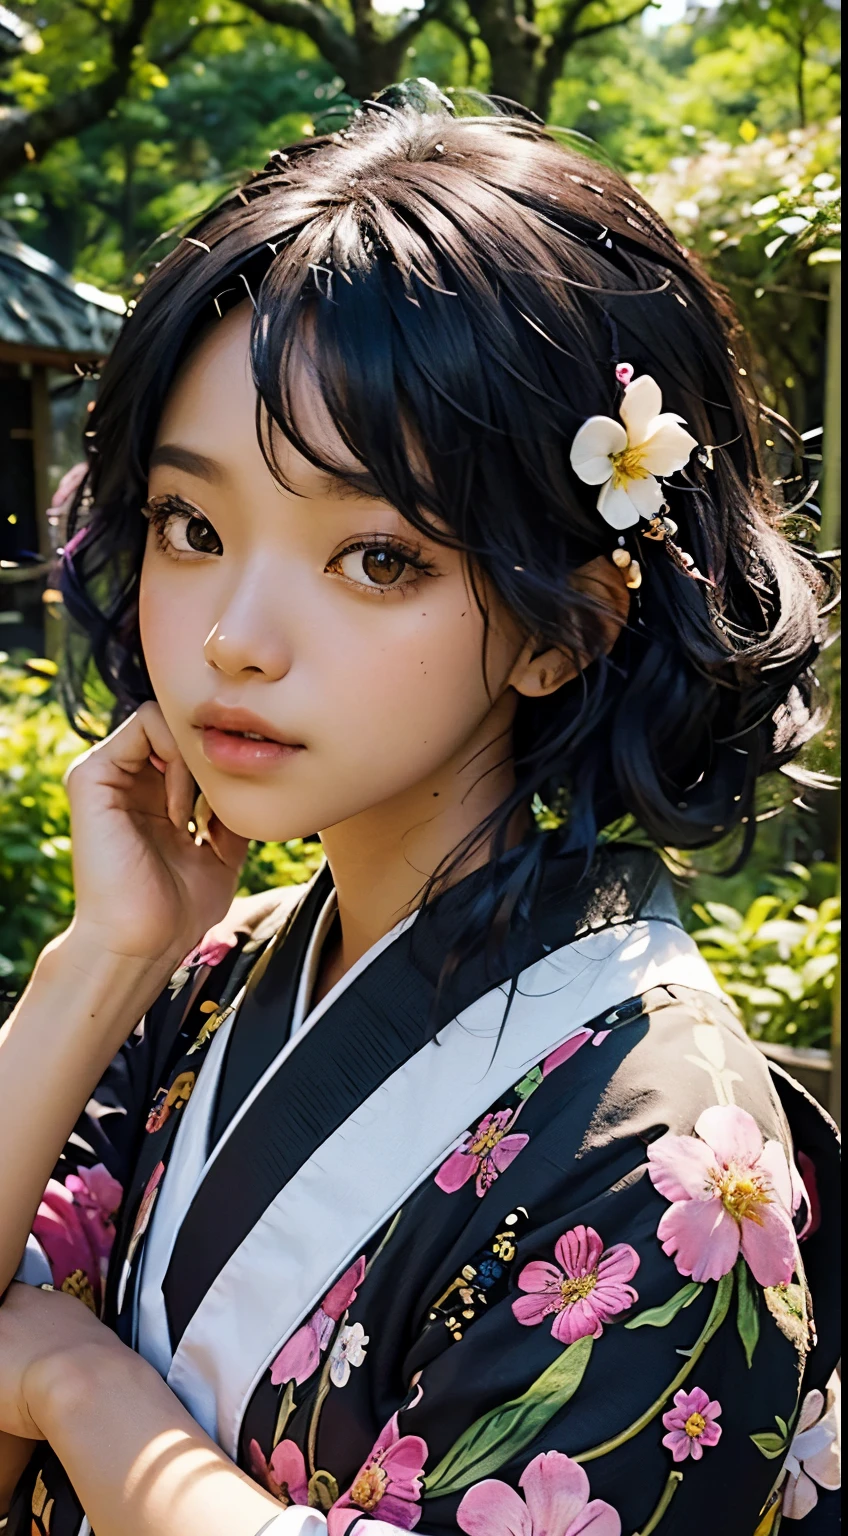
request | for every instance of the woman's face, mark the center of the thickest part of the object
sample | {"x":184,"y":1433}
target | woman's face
{"x":314,"y":656}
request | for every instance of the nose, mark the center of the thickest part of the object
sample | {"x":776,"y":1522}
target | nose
{"x":248,"y":636}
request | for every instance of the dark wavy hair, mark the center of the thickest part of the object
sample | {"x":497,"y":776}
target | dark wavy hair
{"x":469,"y":284}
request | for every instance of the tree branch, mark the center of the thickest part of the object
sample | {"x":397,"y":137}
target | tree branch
{"x":315,"y":21}
{"x":25,"y":135}
{"x":615,"y":21}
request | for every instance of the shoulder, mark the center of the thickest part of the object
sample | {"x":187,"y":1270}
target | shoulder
{"x":685,"y":1052}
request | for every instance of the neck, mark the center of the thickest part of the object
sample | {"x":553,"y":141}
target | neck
{"x":382,"y":858}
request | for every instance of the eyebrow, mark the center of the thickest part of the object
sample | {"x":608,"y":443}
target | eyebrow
{"x":176,"y":457}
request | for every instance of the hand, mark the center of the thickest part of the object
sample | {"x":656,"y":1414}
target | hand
{"x":143,"y":887}
{"x":39,"y":1332}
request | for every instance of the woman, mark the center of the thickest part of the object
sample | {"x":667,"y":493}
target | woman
{"x":447,"y":1193}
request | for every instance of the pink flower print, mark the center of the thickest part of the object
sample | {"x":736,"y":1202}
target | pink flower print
{"x":299,"y":1356}
{"x":75,"y":1226}
{"x":728,"y":1191}
{"x":691,"y":1424}
{"x":343,"y":1294}
{"x":301,"y":1353}
{"x":284,"y":1475}
{"x":564,"y":1052}
{"x":209,"y":952}
{"x":556,"y":1503}
{"x":587,"y":1289}
{"x":485,"y":1152}
{"x":388,"y":1483}
{"x":814,"y":1455}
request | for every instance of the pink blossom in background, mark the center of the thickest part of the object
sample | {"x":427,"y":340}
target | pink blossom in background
{"x":301,"y":1353}
{"x":581,"y":1292}
{"x":691,"y":1424}
{"x":556,"y":1503}
{"x":387,"y":1485}
{"x":728,"y":1191}
{"x":814,"y":1455}
{"x":284,"y":1475}
{"x":484,"y":1154}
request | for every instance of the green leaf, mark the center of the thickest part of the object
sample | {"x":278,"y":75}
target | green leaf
{"x":530,"y":1083}
{"x":506,"y":1431}
{"x":747,"y":1309}
{"x":782,"y":1426}
{"x":769,"y":1443}
{"x":659,"y":1317}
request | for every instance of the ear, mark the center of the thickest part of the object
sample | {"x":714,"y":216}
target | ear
{"x":538,"y":673}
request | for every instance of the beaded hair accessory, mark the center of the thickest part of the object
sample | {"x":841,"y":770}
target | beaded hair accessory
{"x":628,"y":458}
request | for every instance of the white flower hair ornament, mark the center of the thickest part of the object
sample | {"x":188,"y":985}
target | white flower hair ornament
{"x":625,"y":457}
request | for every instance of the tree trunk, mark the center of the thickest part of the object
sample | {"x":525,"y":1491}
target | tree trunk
{"x":25,"y":136}
{"x":512,"y":42}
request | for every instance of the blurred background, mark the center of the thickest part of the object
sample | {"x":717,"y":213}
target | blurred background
{"x":120,"y":120}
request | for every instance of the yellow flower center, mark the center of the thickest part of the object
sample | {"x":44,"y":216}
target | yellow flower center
{"x":627,"y":465}
{"x":369,"y":1488}
{"x":487,"y":1141}
{"x":741,"y":1193}
{"x":695,"y":1426}
{"x":79,"y":1285}
{"x":578,"y":1289}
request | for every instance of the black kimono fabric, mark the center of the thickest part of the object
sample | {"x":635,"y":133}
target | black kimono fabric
{"x":521,"y":1349}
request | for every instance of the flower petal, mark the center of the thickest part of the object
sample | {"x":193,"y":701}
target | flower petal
{"x":769,"y":1245}
{"x":618,"y":1263}
{"x":298,"y":1357}
{"x":595,"y":442}
{"x":531,"y":1310}
{"x":509,"y":1147}
{"x":540,"y":1276}
{"x":646,"y":495}
{"x":679,"y":1167}
{"x":289,"y":1470}
{"x":679,"y":1443}
{"x":565,"y":1051}
{"x":668,"y":448}
{"x":492,"y":1508}
{"x":701,"y":1237}
{"x":732,"y":1133}
{"x":579,"y":1251}
{"x":640,"y":407}
{"x":616,"y":508}
{"x":456,"y":1170}
{"x":811,"y":1411}
{"x":340,"y":1296}
{"x":598,"y":1519}
{"x":775,"y":1163}
{"x":557,"y":1491}
{"x":799,"y":1497}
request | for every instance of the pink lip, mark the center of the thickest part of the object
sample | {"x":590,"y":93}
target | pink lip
{"x":229,"y":738}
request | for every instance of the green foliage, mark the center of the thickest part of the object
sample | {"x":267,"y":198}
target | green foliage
{"x":36,"y":746}
{"x":36,"y":885}
{"x":779,"y":957}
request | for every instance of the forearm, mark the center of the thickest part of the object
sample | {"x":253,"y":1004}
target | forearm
{"x":141,"y":1466}
{"x":76,"y":1013}
{"x":14,"y":1455}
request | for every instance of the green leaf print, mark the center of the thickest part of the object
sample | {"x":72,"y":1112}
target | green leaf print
{"x":506,"y":1431}
{"x":660,"y":1317}
{"x":747,"y":1309}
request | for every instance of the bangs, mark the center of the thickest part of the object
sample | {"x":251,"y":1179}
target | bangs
{"x":450,"y":298}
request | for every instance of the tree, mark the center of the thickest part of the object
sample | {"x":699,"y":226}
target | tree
{"x":805,"y":26}
{"x":117,"y":46}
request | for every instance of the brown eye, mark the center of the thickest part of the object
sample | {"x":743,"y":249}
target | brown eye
{"x":383,"y":566}
{"x":201,"y":536}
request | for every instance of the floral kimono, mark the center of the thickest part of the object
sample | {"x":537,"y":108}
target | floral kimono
{"x":544,"y":1250}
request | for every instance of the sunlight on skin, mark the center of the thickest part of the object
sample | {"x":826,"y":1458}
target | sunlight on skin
{"x":400,"y":741}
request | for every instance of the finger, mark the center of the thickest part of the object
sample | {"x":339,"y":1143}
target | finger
{"x":179,"y":793}
{"x":156,"y":762}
